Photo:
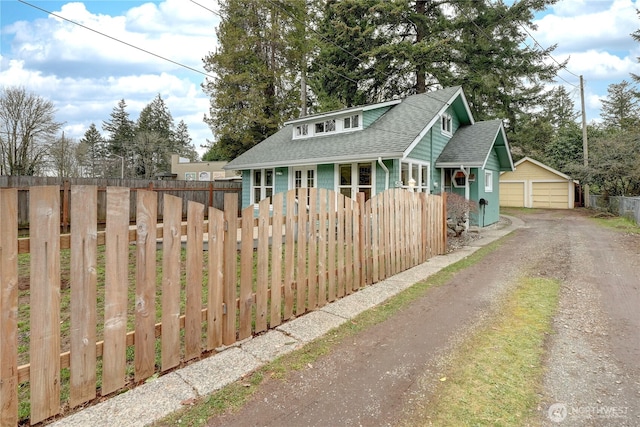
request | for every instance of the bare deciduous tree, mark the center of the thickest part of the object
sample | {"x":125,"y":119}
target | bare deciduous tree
{"x":27,"y":128}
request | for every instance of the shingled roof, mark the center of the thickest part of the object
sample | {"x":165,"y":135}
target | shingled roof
{"x":471,"y":145}
{"x":390,"y":136}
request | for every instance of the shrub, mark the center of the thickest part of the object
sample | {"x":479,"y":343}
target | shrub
{"x":458,"y":211}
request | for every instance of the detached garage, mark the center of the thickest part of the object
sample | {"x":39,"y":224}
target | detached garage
{"x":535,"y":185}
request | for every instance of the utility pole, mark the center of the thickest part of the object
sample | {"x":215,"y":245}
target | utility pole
{"x":585,"y":143}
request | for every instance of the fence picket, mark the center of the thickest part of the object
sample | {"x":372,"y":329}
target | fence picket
{"x":348,"y":245}
{"x":145,"y":313}
{"x":193,"y":309}
{"x":8,"y":306}
{"x":301,"y":271}
{"x":340,"y":224}
{"x":312,"y":255}
{"x":246,"y":273}
{"x":83,"y":280}
{"x":289,"y":255}
{"x":230,"y":269}
{"x":331,"y":252}
{"x":171,"y":244}
{"x":322,"y":247}
{"x":116,"y":285}
{"x":215,"y":283}
{"x":44,"y":375}
{"x":262,"y":276}
{"x":276,"y":261}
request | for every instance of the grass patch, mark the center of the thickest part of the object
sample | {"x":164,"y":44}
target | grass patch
{"x":234,"y":396}
{"x":495,"y":376}
{"x":618,"y":223}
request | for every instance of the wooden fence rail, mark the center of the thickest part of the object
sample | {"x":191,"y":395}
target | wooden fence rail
{"x":119,"y":306}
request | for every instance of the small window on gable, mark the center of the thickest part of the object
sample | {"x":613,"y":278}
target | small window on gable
{"x":351,"y":122}
{"x":446,"y":122}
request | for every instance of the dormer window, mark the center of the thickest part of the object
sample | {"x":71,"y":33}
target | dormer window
{"x":329,"y":124}
{"x":325,"y":126}
{"x":446,"y":122}
{"x":302,"y":130}
{"x":351,"y":122}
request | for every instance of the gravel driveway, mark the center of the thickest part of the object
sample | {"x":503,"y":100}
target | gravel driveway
{"x":593,"y":358}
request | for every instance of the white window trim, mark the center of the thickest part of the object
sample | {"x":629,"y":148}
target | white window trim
{"x":292,"y":175}
{"x":262,"y":186}
{"x":488,"y":181}
{"x":338,"y":128}
{"x":449,"y":120}
{"x":354,"y":178}
{"x":419,"y":164}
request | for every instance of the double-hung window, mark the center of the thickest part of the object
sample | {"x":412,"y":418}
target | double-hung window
{"x":262,"y":183}
{"x":418,"y":172}
{"x":488,"y":181}
{"x":447,"y":124}
{"x":351,"y":122}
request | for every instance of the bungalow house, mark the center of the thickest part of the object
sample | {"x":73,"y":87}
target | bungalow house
{"x":427,"y":142}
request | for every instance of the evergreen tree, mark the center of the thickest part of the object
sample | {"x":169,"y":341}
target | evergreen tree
{"x":620,"y":109}
{"x":95,"y":148}
{"x":155,"y":118}
{"x":501,"y":75}
{"x":343,"y":74}
{"x":184,"y":147}
{"x":255,"y":89}
{"x":121,"y":131}
{"x":399,"y":47}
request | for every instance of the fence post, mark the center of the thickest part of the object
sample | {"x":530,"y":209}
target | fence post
{"x":9,"y":306}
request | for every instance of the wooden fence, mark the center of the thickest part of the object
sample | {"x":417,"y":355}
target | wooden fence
{"x":102,"y":310}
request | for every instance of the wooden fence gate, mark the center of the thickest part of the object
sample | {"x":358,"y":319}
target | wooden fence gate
{"x":90,"y":312}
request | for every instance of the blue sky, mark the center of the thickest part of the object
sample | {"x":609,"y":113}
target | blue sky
{"x":86,"y":74}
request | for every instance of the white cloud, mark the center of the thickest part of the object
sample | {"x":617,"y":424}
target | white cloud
{"x":588,"y":28}
{"x":86,"y":74}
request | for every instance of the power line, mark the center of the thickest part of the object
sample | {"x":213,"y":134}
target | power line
{"x":118,"y":40}
{"x":206,"y":8}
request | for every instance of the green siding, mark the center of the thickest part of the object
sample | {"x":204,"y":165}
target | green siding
{"x":246,"y":188}
{"x":381,"y":176}
{"x":490,"y":213}
{"x":326,"y":177}
{"x":282,"y":181}
{"x":370,"y":116}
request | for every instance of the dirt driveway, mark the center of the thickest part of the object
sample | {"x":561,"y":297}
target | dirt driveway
{"x":593,"y":359}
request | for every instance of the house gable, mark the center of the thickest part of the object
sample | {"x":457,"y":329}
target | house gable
{"x":528,"y":168}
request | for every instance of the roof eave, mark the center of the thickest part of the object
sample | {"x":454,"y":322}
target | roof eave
{"x":316,"y":161}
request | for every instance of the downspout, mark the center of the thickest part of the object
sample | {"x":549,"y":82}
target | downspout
{"x":466,"y":192}
{"x":386,"y":171}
